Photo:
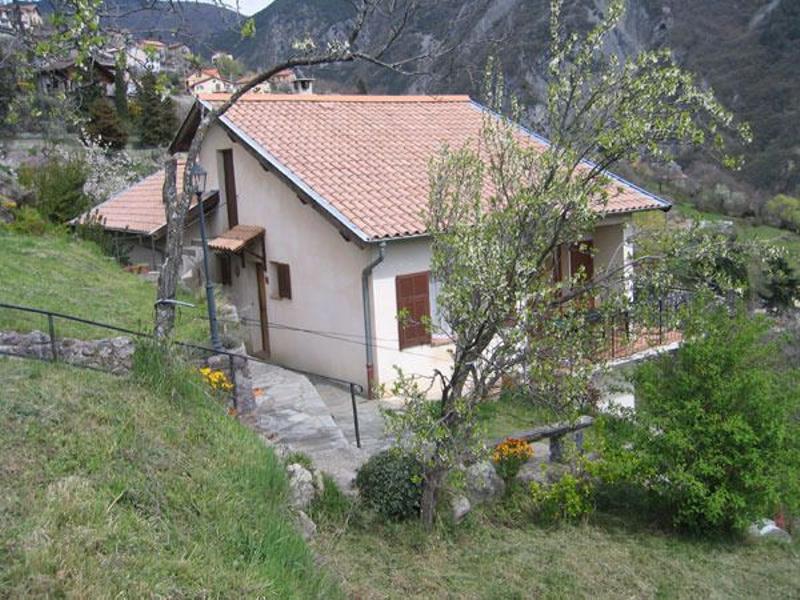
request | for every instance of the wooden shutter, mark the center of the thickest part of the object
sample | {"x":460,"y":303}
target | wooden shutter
{"x":581,"y":259}
{"x":413,"y":299}
{"x":284,"y":281}
{"x":230,"y":188}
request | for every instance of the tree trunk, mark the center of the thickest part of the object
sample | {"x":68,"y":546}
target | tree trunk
{"x":430,"y":495}
{"x":177,"y":206}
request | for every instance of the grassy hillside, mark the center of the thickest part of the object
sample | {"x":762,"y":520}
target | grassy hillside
{"x":110,"y":490}
{"x":604,"y":558}
{"x":72,"y":276}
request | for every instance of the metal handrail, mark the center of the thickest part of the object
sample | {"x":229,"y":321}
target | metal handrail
{"x":52,"y":315}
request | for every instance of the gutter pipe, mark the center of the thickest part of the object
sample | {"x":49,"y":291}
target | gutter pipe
{"x":365,"y":299}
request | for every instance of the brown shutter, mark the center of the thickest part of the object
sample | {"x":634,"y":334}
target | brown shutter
{"x":284,"y":281}
{"x":581,"y":259}
{"x":225,"y":269}
{"x":230,"y":188}
{"x":413,"y":299}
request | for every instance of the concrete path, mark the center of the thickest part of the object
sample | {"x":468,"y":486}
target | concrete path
{"x":290,"y":411}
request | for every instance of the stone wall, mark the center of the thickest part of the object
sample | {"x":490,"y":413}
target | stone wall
{"x":113,"y":354}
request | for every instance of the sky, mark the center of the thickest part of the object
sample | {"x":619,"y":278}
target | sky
{"x":248,"y":7}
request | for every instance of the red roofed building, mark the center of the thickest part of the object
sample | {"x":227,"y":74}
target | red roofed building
{"x":320,"y":235}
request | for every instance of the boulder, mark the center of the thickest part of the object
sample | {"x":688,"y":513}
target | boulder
{"x":307,"y":527}
{"x":301,"y":486}
{"x":461,"y":507}
{"x":767,"y":529}
{"x":534,"y":470}
{"x":483,"y":483}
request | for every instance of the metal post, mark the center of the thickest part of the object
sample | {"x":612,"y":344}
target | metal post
{"x":355,"y":415}
{"x":52,"y":327}
{"x":212,"y":306}
{"x":660,"y":321}
{"x":233,"y":380}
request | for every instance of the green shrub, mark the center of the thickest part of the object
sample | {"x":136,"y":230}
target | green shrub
{"x":390,"y":482}
{"x":569,"y":499}
{"x":57,"y":186}
{"x":714,"y":439}
{"x":28,"y":221}
{"x":783,"y":211}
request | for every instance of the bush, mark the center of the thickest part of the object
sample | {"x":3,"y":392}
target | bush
{"x":28,"y":221}
{"x":390,"y":482}
{"x":783,"y":211}
{"x":57,"y":186}
{"x":569,"y":499}
{"x":714,"y":440}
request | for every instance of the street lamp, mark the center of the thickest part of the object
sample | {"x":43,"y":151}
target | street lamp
{"x":198,"y":176}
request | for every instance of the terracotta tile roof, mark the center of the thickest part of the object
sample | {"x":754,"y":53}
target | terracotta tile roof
{"x":365,"y":158}
{"x":235,"y":238}
{"x":139,"y":208}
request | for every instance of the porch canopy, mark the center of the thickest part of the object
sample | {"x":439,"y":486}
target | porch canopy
{"x":236,"y":238}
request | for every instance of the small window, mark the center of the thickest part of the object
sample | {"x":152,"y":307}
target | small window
{"x":281,"y":276}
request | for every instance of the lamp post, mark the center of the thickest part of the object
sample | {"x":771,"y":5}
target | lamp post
{"x":198,"y":175}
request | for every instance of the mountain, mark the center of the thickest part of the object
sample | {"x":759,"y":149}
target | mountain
{"x":746,"y":50}
{"x":189,"y":22}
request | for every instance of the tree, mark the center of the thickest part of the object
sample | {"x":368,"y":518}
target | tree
{"x":157,"y":121}
{"x":121,"y":87}
{"x":104,"y":125}
{"x":714,"y":439}
{"x":229,"y":68}
{"x":492,"y":252}
{"x":356,"y":43}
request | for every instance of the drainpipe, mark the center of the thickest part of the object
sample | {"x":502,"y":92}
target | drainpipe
{"x":365,"y":298}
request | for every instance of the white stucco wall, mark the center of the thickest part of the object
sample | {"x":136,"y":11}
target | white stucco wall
{"x":401,"y":258}
{"x":325,"y":269}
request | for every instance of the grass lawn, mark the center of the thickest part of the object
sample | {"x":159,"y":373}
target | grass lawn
{"x":510,"y":414}
{"x":58,"y":273}
{"x":109,"y":490}
{"x":486,"y":558}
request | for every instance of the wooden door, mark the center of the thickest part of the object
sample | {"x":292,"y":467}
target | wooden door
{"x":230,"y":188}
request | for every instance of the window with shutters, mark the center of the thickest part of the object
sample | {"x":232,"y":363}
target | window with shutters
{"x":225,"y":269}
{"x":413,"y":309}
{"x":280,"y":281}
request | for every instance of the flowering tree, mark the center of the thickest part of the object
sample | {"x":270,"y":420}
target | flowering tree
{"x":499,"y":210}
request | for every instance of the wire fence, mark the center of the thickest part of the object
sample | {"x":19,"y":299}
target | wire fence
{"x":112,"y":354}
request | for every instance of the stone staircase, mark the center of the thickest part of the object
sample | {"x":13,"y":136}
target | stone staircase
{"x":290,"y":411}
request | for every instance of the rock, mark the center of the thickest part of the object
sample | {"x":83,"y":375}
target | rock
{"x":461,"y":507}
{"x":483,"y":483}
{"x":767,"y":529}
{"x":301,"y":486}
{"x":319,"y":482}
{"x":533,"y":470}
{"x":307,"y":527}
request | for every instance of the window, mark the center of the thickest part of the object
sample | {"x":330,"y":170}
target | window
{"x":413,"y":309}
{"x":281,"y":277}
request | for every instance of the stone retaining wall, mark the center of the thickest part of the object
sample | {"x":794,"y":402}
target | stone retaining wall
{"x":113,"y":354}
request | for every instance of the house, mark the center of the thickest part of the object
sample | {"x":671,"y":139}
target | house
{"x":208,"y":80}
{"x":62,"y":76}
{"x":146,"y":55}
{"x":320,"y":238}
{"x":20,"y":15}
{"x":136,"y":216}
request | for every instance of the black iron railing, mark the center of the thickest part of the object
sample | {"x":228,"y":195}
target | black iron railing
{"x":53,"y":316}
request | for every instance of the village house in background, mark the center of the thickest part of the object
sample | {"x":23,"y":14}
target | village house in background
{"x":209,"y":80}
{"x":318,"y":230}
{"x":24,"y":14}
